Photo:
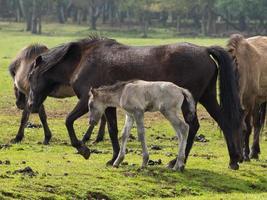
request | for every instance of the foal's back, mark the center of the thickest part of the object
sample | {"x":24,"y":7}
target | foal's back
{"x":151,"y":96}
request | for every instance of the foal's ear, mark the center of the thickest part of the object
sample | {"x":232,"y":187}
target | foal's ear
{"x":92,"y":92}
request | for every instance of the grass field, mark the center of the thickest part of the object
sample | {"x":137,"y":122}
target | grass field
{"x":60,"y":173}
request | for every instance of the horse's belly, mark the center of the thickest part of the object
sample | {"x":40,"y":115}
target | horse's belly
{"x":62,"y":92}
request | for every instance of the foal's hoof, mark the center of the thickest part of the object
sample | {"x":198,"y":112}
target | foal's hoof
{"x":234,"y":166}
{"x":84,"y":151}
{"x":181,"y":168}
{"x":15,"y":140}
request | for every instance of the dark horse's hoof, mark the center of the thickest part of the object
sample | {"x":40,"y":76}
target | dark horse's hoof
{"x":84,"y":151}
{"x":171,"y":164}
{"x":45,"y":142}
{"x":110,"y":162}
{"x":15,"y":140}
{"x":246,"y":159}
{"x":234,"y":166}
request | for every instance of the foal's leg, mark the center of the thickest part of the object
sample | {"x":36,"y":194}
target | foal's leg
{"x":193,"y":128}
{"x":43,"y":118}
{"x":125,"y":135}
{"x":139,"y":119}
{"x":182,"y":130}
{"x":23,"y":121}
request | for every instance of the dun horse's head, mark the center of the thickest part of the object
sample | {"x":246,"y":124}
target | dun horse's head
{"x":96,"y":107}
{"x":51,"y":70}
{"x":20,"y":98}
{"x":40,"y":86}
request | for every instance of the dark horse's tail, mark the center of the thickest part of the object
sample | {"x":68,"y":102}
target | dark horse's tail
{"x":229,"y":98}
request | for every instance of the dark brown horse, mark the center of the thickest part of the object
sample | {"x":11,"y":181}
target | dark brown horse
{"x":94,"y":62}
{"x":19,"y":70}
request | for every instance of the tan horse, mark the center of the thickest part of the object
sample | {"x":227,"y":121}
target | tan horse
{"x":250,"y":56}
{"x":19,"y":70}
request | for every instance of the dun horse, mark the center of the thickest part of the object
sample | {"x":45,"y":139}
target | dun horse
{"x":19,"y":70}
{"x":94,"y":62}
{"x":138,"y":97}
{"x":251,"y":66}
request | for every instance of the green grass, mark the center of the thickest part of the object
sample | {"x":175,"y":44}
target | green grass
{"x":62,"y":174}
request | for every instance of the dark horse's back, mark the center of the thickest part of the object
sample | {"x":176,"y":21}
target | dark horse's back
{"x":180,"y":63}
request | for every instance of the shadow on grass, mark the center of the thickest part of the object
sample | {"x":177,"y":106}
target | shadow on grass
{"x":198,"y":181}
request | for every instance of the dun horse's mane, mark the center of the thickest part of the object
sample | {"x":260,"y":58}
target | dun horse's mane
{"x":26,"y":53}
{"x":234,"y":41}
{"x":118,"y":85}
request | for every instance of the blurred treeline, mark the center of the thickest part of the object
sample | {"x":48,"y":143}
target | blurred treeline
{"x":186,"y":17}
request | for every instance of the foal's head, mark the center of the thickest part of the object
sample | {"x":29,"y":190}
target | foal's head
{"x":96,"y":106}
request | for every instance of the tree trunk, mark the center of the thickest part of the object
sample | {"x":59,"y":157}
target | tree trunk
{"x":61,"y":12}
{"x":34,"y":17}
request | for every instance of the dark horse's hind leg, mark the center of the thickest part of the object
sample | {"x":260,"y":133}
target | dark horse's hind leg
{"x":111,"y":117}
{"x":79,"y":110}
{"x":101,"y":132}
{"x":213,"y":108}
{"x":43,"y":118}
{"x":23,"y":121}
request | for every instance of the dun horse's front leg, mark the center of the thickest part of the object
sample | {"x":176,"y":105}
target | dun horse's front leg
{"x":125,"y":135}
{"x":43,"y":118}
{"x":24,"y":120}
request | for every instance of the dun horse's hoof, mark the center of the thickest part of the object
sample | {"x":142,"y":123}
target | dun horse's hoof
{"x":84,"y":151}
{"x":15,"y":140}
{"x":234,"y":166}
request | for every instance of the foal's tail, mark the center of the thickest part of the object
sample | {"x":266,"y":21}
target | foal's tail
{"x":229,"y":97}
{"x":191,"y":104}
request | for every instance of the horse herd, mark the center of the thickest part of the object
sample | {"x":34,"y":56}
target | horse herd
{"x":76,"y":68}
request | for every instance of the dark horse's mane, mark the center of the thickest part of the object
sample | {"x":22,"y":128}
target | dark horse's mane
{"x":54,"y":55}
{"x":28,"y":52}
{"x":118,"y":85}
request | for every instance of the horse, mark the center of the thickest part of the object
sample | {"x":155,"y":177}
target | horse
{"x":250,"y":60}
{"x":97,"y":61}
{"x":138,"y":97}
{"x":19,"y":70}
